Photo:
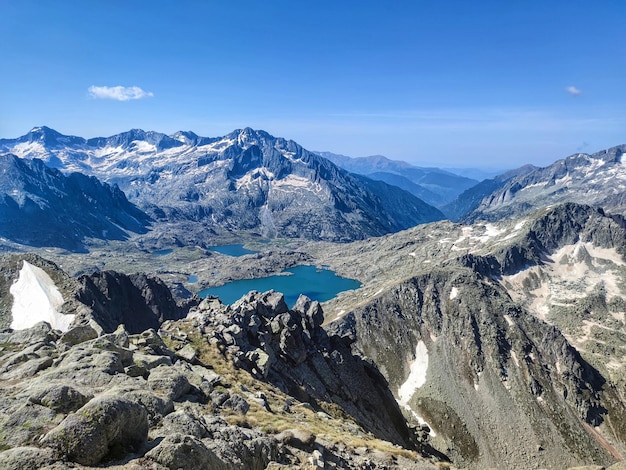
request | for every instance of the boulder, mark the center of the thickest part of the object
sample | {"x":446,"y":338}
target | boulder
{"x":169,"y":381}
{"x":183,"y":422}
{"x":59,"y":398}
{"x":79,"y":334}
{"x":180,"y":451}
{"x":26,"y":458}
{"x":156,"y":407}
{"x":106,"y":426}
{"x":237,"y":403}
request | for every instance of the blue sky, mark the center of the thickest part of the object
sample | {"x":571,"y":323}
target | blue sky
{"x":450,"y":83}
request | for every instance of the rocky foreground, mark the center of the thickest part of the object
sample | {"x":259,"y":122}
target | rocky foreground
{"x":251,"y":386}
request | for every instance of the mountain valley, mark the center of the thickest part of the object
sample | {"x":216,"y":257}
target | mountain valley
{"x":494,"y":342}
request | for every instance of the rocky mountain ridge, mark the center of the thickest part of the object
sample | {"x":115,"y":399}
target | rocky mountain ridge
{"x":40,"y":206}
{"x":247,"y":180}
{"x":598,"y":179}
{"x":514,"y":331}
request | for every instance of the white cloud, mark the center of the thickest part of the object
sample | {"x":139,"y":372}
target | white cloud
{"x":119,"y":93}
{"x":572,"y":90}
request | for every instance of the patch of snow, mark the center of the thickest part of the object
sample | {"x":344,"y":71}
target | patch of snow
{"x":417,"y":374}
{"x":293,"y":181}
{"x":514,"y":357}
{"x":143,"y":146}
{"x":454,"y":292}
{"x":377,"y":292}
{"x":36,"y":298}
{"x":421,"y":420}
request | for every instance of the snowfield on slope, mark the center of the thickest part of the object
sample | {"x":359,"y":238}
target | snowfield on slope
{"x":35,"y":299}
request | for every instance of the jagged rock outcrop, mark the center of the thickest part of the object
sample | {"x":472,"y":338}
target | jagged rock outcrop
{"x":104,"y":391}
{"x":290,"y":349}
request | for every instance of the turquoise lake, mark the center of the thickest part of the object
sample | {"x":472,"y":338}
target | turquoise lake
{"x":231,"y":250}
{"x":317,"y":284}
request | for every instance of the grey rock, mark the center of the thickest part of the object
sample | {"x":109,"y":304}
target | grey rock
{"x":262,"y":361}
{"x":312,"y":311}
{"x":297,"y":438}
{"x":60,"y":398}
{"x":155,"y":406}
{"x":187,"y":352}
{"x":25,"y":422}
{"x":41,"y":332}
{"x":218,"y":397}
{"x":168,"y":381}
{"x":237,"y":403}
{"x":26,"y":458}
{"x":79,"y":334}
{"x":183,"y":422}
{"x":107,"y":425}
{"x":28,"y":369}
{"x":150,"y":361}
{"x":181,"y":451}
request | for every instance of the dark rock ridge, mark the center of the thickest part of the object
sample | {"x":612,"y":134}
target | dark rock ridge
{"x":247,"y":180}
{"x":103,"y":300}
{"x":40,"y":206}
{"x":598,"y":179}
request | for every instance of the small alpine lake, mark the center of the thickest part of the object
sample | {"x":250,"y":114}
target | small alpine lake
{"x":317,"y":284}
{"x":232,"y":250}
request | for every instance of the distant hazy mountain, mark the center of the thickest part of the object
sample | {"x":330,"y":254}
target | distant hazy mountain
{"x":40,"y":206}
{"x":434,"y":185}
{"x":471,"y":198}
{"x":247,"y":180}
{"x":598,"y":179}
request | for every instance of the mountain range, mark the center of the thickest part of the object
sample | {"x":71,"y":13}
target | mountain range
{"x":433,"y":185}
{"x":598,"y":179}
{"x":247,"y":180}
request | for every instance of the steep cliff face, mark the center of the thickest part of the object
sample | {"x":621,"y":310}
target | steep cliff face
{"x":497,"y":386}
{"x":40,"y":206}
{"x":137,"y":301}
{"x":507,"y":339}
